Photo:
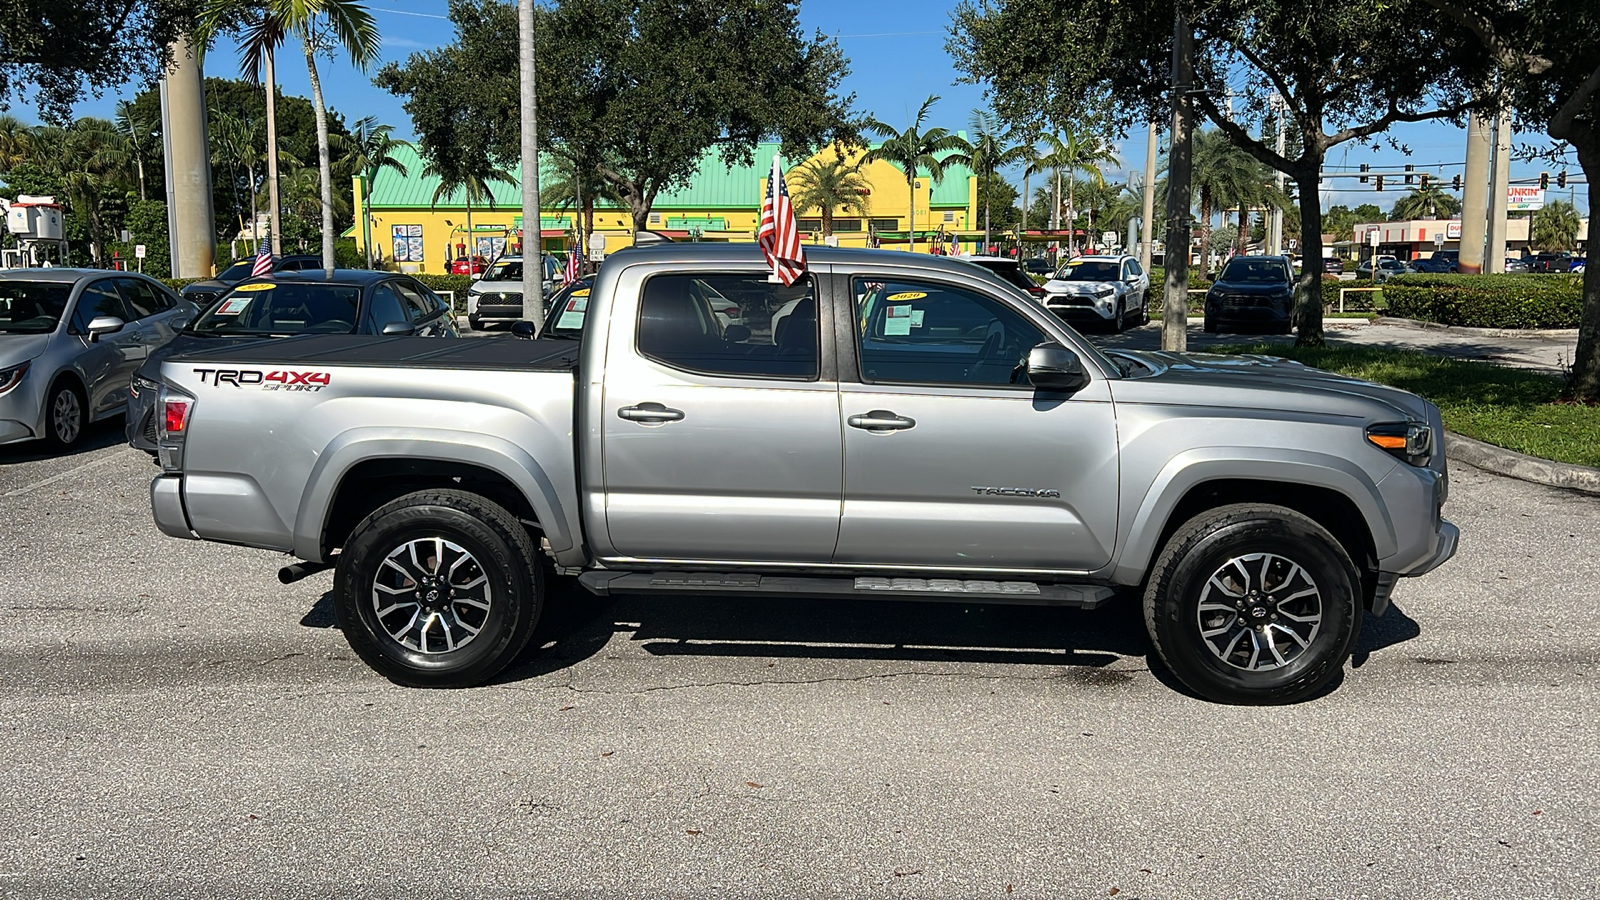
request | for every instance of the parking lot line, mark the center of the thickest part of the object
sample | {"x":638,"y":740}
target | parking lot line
{"x":17,"y":492}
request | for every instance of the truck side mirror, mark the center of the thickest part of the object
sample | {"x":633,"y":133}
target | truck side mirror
{"x":525,"y":330}
{"x":1052,"y":367}
{"x":399,"y":328}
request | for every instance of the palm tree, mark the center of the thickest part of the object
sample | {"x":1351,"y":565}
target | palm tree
{"x":1430,"y":202}
{"x":346,"y":22}
{"x":985,"y":154}
{"x":573,"y":184}
{"x":369,"y":150}
{"x":1556,"y":226}
{"x":141,"y":135}
{"x":914,"y":149}
{"x":475,"y":186}
{"x":829,"y":185}
{"x":1223,"y":177}
{"x":16,"y":142}
{"x":1072,"y":153}
{"x":90,"y":158}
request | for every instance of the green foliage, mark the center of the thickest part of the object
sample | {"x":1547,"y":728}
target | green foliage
{"x":1430,"y":202}
{"x":829,"y":185}
{"x":1555,"y":227}
{"x":55,"y":52}
{"x":1517,"y":409}
{"x":146,"y":222}
{"x":1516,"y":300}
{"x":347,"y":255}
{"x":457,"y":283}
{"x":179,"y":284}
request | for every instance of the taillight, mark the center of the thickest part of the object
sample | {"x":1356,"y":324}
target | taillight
{"x":732,"y":312}
{"x":176,"y":417}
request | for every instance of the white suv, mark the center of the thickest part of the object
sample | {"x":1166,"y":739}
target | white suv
{"x":1105,"y":290}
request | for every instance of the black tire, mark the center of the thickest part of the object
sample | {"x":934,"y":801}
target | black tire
{"x":475,"y":323}
{"x":1120,"y":323}
{"x":1210,"y":326}
{"x":1190,"y":569}
{"x":498,"y":547}
{"x":1144,"y":309}
{"x":66,"y":398}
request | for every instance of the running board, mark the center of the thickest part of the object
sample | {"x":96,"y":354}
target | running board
{"x":954,"y":590}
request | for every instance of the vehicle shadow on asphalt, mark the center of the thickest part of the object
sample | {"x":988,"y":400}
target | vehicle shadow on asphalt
{"x":98,"y":436}
{"x":576,"y":626}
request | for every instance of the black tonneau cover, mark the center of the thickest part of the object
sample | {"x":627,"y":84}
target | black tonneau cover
{"x":505,"y":354}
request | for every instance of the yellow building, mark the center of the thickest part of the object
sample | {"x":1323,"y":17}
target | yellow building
{"x":410,"y":233}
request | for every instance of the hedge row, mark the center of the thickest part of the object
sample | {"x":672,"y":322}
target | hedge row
{"x":1517,"y":300}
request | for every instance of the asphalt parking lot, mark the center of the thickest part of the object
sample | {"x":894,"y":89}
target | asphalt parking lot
{"x":178,"y":724}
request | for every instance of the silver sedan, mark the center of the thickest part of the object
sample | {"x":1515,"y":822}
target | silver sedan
{"x":70,"y":340}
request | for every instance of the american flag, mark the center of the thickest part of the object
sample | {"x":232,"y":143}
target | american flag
{"x":263,"y":264}
{"x":571,"y":273}
{"x":779,"y":234}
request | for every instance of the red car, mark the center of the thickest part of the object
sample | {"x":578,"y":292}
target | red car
{"x":461,"y":266}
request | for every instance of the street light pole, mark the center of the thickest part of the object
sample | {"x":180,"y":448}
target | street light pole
{"x":532,"y":250}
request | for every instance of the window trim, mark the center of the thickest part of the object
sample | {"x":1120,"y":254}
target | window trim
{"x":106,"y":284}
{"x":638,"y":320}
{"x":856,"y":337}
{"x":429,"y":306}
{"x":372,"y":306}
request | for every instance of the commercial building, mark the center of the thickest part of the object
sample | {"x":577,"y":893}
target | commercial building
{"x":1419,"y":238}
{"x":411,"y":232}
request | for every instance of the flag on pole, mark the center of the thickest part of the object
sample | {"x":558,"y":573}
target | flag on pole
{"x":779,"y":234}
{"x":263,"y":264}
{"x":571,"y":273}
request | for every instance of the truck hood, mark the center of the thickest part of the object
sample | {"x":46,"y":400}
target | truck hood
{"x":1261,"y":382}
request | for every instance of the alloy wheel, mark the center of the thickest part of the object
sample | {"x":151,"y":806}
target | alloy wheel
{"x":66,"y":416}
{"x":431,"y":595}
{"x":1259,"y":612}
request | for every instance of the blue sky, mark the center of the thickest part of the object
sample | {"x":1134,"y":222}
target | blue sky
{"x":897,"y":58}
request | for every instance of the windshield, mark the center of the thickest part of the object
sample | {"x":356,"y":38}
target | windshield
{"x":1090,"y":270}
{"x":32,"y":307}
{"x":505,"y":270}
{"x":1255,"y":271}
{"x":567,"y":309}
{"x":280,"y":307}
{"x":237,"y":272}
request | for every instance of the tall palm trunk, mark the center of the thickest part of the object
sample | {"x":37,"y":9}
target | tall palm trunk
{"x":139,"y":163}
{"x":1242,"y":241}
{"x":911,"y":190}
{"x":1072,"y":207}
{"x":324,"y":154}
{"x":274,"y":226}
{"x":1205,"y":228}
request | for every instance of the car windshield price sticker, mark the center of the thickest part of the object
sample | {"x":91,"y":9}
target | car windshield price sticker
{"x":906,"y":295}
{"x":233,"y":306}
{"x":916,"y":317}
{"x":898,"y":321}
{"x":572,"y":316}
{"x":260,"y":286}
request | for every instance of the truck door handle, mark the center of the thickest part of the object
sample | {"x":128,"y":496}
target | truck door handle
{"x":650,"y":414}
{"x":881,"y":421}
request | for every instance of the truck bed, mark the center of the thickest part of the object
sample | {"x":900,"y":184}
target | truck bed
{"x":502,"y":354}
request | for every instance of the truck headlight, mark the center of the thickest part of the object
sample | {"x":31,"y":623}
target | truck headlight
{"x":1410,"y":441}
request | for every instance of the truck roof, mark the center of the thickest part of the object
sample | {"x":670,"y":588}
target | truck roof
{"x":820,"y":254}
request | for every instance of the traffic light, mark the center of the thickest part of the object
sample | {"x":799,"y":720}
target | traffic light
{"x":1544,"y":181}
{"x":1410,"y":178}
{"x":1380,"y":183}
{"x":1424,"y":180}
{"x":1455,"y":183}
{"x":1561,"y":178}
{"x":1364,"y":168}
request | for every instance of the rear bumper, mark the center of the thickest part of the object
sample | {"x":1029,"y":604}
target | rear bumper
{"x":166,"y":505}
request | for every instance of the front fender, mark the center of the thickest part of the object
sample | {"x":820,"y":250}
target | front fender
{"x":358,"y":445}
{"x":1293,"y":467}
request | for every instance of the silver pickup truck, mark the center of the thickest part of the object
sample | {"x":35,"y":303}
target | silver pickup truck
{"x":890,"y":426}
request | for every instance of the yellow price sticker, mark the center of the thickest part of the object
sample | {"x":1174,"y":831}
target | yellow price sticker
{"x":908,"y":295}
{"x":259,"y":286}
{"x":581,"y":293}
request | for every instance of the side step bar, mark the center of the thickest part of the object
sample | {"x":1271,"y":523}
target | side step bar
{"x":954,"y":590}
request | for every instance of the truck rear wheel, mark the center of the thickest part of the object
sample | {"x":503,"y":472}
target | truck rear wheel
{"x":439,"y":588}
{"x":1253,"y":604}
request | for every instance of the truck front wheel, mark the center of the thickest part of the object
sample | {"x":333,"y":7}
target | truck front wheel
{"x":1253,"y":604}
{"x":438,"y":588}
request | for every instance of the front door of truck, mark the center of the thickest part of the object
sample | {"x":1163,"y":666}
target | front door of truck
{"x":720,"y":422}
{"x":952,"y":459}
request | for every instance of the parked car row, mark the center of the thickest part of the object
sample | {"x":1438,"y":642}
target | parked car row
{"x":78,"y":346}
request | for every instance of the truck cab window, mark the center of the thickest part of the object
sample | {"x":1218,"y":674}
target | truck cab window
{"x":734,"y":324}
{"x":926,"y":333}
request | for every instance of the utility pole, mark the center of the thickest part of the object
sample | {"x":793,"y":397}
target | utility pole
{"x":1175,"y":308}
{"x":183,"y":129}
{"x":275,"y":229}
{"x":1494,"y":255}
{"x":1475,"y":196}
{"x":532,"y":249}
{"x":1147,"y":209}
{"x":1275,"y":230}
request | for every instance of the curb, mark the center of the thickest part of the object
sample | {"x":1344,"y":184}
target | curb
{"x":1521,"y":466}
{"x":1561,"y":333}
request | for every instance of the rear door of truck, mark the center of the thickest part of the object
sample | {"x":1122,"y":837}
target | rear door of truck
{"x":720,"y":427}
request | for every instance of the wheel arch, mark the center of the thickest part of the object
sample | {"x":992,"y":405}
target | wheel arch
{"x":1331,"y":491}
{"x":362,"y":470}
{"x":68,"y":373}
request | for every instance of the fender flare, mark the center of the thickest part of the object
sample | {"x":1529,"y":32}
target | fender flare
{"x":1194,"y":467}
{"x":359,"y":445}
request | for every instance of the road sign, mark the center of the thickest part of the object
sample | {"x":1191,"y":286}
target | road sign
{"x":1372,"y":236}
{"x":1524,"y":197}
{"x":597,"y":246}
{"x":138,"y":251}
{"x":1438,"y":240}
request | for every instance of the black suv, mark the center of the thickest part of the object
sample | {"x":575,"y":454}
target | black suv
{"x":1253,"y":291}
{"x":204,"y":293}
